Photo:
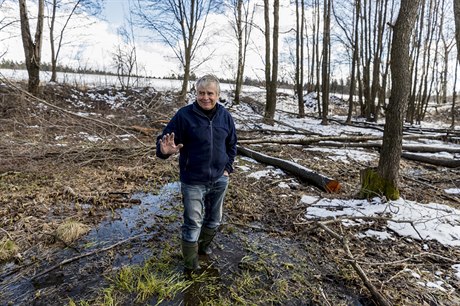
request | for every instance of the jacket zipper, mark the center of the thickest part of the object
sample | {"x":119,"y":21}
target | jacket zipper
{"x":211,"y":146}
{"x":212,"y":150}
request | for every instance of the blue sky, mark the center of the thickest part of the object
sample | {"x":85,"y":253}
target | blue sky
{"x":114,"y":10}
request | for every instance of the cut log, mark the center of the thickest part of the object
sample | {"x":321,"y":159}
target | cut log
{"x":443,"y":162}
{"x":346,"y":139}
{"x":377,"y":145}
{"x":303,"y":173}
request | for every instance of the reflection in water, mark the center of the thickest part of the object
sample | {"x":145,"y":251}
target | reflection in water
{"x":80,"y":278}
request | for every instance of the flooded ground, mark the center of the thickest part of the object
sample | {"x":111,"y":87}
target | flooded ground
{"x":56,"y":167}
{"x":86,"y":276}
{"x":264,"y":264}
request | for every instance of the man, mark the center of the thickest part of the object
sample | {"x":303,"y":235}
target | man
{"x":204,"y":134}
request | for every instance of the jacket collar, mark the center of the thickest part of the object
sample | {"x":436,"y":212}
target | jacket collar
{"x":208,"y":113}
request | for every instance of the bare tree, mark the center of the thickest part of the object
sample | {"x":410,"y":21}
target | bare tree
{"x":180,"y":24}
{"x":373,"y":17}
{"x":456,"y":6}
{"x":125,"y":59}
{"x":271,"y":62}
{"x":5,"y":22}
{"x":457,"y":26}
{"x":66,"y":10}
{"x":447,"y":37}
{"x":299,"y":65}
{"x":350,"y":28}
{"x":354,"y":61}
{"x":385,"y":181}
{"x":326,"y":61}
{"x":317,"y":57}
{"x":454,"y":97}
{"x":32,"y":47}
{"x":125,"y":54}
{"x":243,"y":14}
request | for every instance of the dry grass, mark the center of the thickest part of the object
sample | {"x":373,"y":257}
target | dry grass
{"x":70,"y":231}
{"x":47,"y":168}
{"x":8,"y":249}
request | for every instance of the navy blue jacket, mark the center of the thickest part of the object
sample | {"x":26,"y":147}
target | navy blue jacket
{"x":209,"y":144}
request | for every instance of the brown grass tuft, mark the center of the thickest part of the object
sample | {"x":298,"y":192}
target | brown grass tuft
{"x":8,"y":249}
{"x":71,"y":231}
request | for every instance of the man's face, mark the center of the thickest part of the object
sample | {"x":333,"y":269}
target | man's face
{"x":207,"y":96}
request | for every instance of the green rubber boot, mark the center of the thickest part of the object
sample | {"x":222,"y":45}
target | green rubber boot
{"x":190,"y":254}
{"x":205,"y":239}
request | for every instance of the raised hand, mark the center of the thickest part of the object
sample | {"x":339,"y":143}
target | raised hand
{"x":167,"y":145}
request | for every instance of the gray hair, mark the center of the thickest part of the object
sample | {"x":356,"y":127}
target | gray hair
{"x":206,"y":80}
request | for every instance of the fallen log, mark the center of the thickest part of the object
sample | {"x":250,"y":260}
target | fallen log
{"x":377,"y":145}
{"x":443,"y":162}
{"x":311,"y":140}
{"x":303,"y":173}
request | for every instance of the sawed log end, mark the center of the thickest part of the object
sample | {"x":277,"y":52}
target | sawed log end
{"x":333,"y":186}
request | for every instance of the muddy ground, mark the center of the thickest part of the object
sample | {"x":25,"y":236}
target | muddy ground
{"x":57,"y":167}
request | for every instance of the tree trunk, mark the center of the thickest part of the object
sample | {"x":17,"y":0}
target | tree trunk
{"x":268,"y":61}
{"x":317,"y":55}
{"x":271,"y":76}
{"x":188,"y":40}
{"x":53,"y":50}
{"x":239,"y":34}
{"x":416,"y":51}
{"x":354,"y":61}
{"x":299,"y":67}
{"x":457,"y":26}
{"x":457,"y":38}
{"x":390,"y":156}
{"x":32,"y":48}
{"x":454,"y":98}
{"x":302,"y":26}
{"x":326,"y":61}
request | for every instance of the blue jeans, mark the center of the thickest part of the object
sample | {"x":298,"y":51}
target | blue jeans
{"x":202,"y":207}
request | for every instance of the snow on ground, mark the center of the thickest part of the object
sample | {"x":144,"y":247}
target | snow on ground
{"x":418,"y":221}
{"x":429,"y":221}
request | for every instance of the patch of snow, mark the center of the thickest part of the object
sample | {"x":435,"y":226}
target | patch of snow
{"x":376,"y":234}
{"x":345,"y":155}
{"x":456,"y":267}
{"x":283,"y":185}
{"x":408,"y":219}
{"x":272,"y":172}
{"x":452,"y":191}
{"x":243,"y":168}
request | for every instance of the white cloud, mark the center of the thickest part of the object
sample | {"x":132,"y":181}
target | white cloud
{"x":92,"y":45}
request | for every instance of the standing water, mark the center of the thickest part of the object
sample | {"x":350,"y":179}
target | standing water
{"x":29,"y":283}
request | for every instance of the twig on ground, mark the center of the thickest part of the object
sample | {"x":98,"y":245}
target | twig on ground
{"x":69,"y":260}
{"x":380,"y":298}
{"x":7,"y":233}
